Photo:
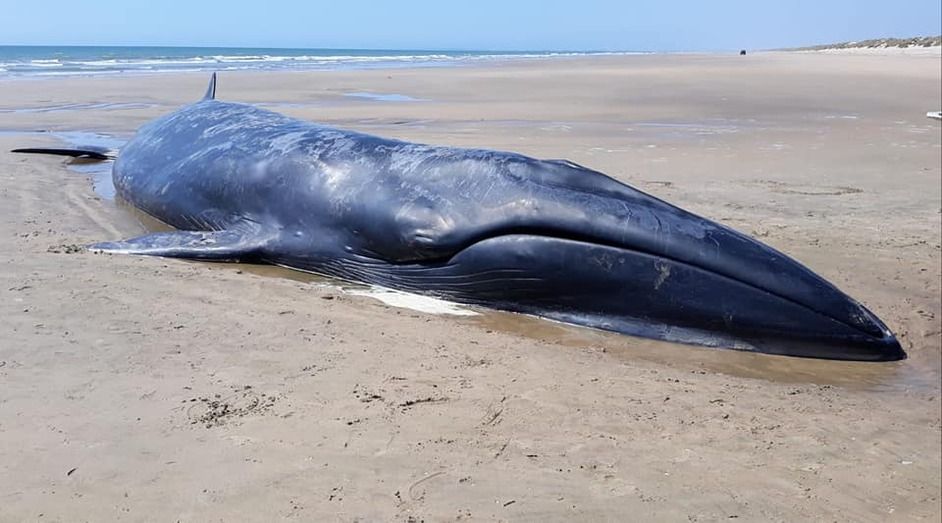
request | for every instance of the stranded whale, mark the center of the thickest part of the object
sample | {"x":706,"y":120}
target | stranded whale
{"x":543,"y":237}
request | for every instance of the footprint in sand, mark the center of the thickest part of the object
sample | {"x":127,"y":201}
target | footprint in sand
{"x":807,"y":190}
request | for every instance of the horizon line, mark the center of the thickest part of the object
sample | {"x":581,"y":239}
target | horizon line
{"x":315,"y":48}
{"x":466,"y":50}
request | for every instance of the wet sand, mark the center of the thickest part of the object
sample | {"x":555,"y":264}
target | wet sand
{"x":141,"y":388}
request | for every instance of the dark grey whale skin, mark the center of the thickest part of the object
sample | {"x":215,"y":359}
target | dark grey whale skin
{"x":498,"y":229}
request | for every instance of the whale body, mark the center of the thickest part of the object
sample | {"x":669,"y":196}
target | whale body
{"x":498,"y":229}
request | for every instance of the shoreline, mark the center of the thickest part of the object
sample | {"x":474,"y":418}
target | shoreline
{"x":63,"y":65}
{"x":474,"y":60}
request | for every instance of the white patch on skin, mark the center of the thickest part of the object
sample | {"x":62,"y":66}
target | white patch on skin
{"x":333,"y":176}
{"x":663,"y":273}
{"x":416,"y":302}
{"x":286,"y":142}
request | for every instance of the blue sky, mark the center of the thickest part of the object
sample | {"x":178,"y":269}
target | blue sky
{"x":477,"y":24}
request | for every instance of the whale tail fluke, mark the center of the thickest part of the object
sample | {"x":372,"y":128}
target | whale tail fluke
{"x":88,"y":152}
{"x":211,"y":90}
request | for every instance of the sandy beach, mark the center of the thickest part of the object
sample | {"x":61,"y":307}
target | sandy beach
{"x":147,"y":389}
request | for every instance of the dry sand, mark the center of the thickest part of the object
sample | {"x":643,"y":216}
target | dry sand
{"x":143,"y":389}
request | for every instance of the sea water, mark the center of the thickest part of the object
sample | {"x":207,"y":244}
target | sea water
{"x":101,"y":60}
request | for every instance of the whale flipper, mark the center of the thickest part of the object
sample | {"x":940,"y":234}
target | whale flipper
{"x":226,"y":245}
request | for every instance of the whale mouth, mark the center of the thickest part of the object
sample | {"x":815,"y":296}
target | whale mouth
{"x":568,"y":204}
{"x":779,"y":306}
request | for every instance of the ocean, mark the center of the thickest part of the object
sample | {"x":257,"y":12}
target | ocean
{"x":100,"y":60}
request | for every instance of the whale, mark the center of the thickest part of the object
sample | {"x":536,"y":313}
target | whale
{"x":501,"y":230}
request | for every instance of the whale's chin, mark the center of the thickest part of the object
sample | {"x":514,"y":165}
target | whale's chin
{"x":625,"y":291}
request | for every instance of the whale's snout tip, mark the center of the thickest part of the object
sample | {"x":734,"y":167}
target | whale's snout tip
{"x":898,"y":353}
{"x":881,"y":344}
{"x":891,"y":349}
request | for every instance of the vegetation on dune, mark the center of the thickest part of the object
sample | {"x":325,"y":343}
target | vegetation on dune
{"x":877,"y":43}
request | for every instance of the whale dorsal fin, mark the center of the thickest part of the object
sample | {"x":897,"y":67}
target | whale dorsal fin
{"x":211,"y":90}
